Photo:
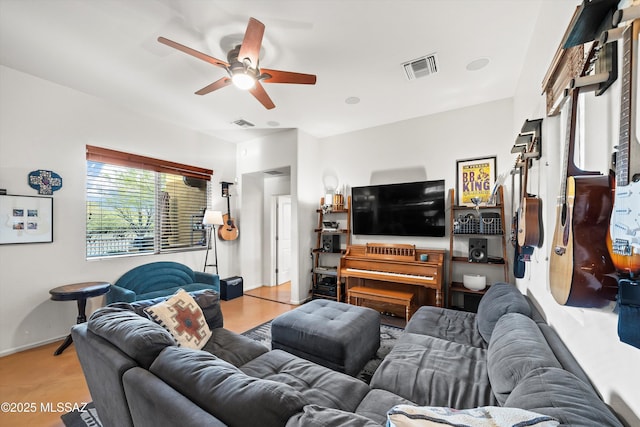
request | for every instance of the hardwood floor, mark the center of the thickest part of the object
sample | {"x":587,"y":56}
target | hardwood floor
{"x":280,"y":293}
{"x":38,"y":377}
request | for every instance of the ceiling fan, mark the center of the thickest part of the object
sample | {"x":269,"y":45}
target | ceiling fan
{"x":243,"y":68}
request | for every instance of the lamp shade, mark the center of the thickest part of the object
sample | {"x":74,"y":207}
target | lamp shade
{"x":212,"y":218}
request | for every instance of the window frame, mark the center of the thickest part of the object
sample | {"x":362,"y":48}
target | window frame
{"x":157,"y":167}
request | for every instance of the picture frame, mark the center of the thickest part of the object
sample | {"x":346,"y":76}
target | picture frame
{"x":25,"y":219}
{"x":475,"y":179}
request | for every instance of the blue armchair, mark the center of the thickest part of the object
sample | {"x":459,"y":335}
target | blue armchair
{"x":160,"y":279}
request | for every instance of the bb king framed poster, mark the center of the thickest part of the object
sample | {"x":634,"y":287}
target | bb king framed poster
{"x":475,"y":179}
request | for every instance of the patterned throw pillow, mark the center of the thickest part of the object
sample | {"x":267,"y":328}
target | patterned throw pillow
{"x":487,"y":416}
{"x":183,"y":318}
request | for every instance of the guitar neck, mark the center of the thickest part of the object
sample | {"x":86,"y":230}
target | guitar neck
{"x":626,"y":157}
{"x":569,"y":168}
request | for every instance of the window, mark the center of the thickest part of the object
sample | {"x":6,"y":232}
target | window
{"x":140,"y":205}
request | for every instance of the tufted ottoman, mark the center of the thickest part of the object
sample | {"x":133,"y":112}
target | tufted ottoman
{"x":339,"y":336}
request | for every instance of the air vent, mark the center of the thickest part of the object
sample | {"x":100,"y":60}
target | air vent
{"x":243,"y":123}
{"x":421,"y":67}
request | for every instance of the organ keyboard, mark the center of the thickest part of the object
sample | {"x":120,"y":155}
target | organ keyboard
{"x":392,"y":266}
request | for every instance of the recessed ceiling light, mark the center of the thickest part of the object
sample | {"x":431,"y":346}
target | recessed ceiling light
{"x":273,"y":123}
{"x":352,"y":100}
{"x":477,"y":64}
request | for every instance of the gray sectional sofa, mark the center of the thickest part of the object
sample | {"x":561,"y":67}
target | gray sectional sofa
{"x":503,"y":356}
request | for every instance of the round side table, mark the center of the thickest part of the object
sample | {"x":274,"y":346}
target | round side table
{"x":78,"y":292}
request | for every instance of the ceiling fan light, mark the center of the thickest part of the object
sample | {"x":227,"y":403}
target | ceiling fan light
{"x":243,"y":81}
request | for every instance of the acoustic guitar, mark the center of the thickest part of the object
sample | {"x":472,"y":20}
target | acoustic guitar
{"x":228,"y":231}
{"x":581,"y":271}
{"x":623,"y":240}
{"x":530,"y":229}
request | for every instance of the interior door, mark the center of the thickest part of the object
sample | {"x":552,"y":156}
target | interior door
{"x":283,"y":239}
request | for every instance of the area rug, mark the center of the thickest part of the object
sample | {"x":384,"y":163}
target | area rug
{"x":87,"y":418}
{"x":388,"y":337}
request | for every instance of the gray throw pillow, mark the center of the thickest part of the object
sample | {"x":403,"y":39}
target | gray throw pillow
{"x":500,"y":299}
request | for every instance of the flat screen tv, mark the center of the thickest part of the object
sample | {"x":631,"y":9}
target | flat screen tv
{"x":407,"y":209}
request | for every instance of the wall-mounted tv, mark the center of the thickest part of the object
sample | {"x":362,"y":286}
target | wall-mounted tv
{"x":407,"y":209}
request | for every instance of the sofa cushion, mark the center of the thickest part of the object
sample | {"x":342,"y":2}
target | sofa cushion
{"x":183,"y":318}
{"x":434,"y":372}
{"x":560,"y":394}
{"x":318,"y":416}
{"x":317,"y":384}
{"x":451,"y":325}
{"x":377,"y":403}
{"x":164,"y":292}
{"x":138,"y":337}
{"x":233,"y":348}
{"x":500,"y":299}
{"x":495,"y":416}
{"x":224,"y":391}
{"x":516,"y":348}
{"x":208,"y":300}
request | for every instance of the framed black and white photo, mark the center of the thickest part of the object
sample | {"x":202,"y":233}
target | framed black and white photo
{"x":26,"y":219}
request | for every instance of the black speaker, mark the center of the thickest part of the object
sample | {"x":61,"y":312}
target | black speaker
{"x":231,"y":288}
{"x":331,"y":243}
{"x":478,"y":250}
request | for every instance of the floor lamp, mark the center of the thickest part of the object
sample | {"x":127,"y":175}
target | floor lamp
{"x":210,"y":220}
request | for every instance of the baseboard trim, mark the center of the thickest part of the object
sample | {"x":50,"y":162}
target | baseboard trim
{"x":14,"y":350}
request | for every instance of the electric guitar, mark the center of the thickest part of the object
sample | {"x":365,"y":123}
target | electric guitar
{"x":623,"y":240}
{"x":521,"y":254}
{"x":228,"y":231}
{"x":581,"y":271}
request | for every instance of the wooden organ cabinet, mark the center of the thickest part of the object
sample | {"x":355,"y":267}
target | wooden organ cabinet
{"x":377,"y":270}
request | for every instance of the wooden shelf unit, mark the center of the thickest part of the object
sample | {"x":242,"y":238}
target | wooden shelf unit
{"x":325,"y":263}
{"x":456,"y":286}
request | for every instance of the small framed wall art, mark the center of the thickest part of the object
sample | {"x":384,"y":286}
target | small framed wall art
{"x":475,"y":179}
{"x":26,"y":219}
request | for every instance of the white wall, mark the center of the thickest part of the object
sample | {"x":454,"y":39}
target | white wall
{"x":274,"y":151}
{"x":429,"y":144}
{"x":46,"y":126}
{"x":590,"y":334}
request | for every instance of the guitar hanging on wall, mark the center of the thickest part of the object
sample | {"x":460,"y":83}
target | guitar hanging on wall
{"x":623,"y":240}
{"x":521,"y":254}
{"x":530,"y":227}
{"x":580,"y":271}
{"x":229,"y":230}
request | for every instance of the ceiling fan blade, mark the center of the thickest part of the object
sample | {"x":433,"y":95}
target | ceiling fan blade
{"x":193,"y":52}
{"x":252,"y":42}
{"x":278,"y":76}
{"x":218,"y":84}
{"x":261,"y":95}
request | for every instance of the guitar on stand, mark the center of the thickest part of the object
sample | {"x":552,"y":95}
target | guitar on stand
{"x":623,"y":240}
{"x":228,"y":231}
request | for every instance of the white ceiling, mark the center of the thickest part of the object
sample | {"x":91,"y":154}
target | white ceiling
{"x":108,"y":49}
